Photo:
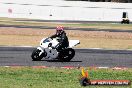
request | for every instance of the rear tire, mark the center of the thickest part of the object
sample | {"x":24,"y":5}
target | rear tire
{"x":35,"y":55}
{"x":128,"y":22}
{"x":67,"y":55}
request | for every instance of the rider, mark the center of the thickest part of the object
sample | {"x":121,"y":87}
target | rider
{"x":61,"y":37}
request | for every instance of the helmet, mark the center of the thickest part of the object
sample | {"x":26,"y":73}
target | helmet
{"x":59,"y":30}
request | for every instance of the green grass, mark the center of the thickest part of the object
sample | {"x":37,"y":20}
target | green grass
{"x":16,"y":21}
{"x":100,"y":39}
{"x":27,"y":77}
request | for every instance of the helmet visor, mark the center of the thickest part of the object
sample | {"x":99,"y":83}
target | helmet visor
{"x":58,"y":32}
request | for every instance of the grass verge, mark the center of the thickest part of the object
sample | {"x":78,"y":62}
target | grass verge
{"x":29,"y":22}
{"x":12,"y":36}
{"x":27,"y":77}
{"x":89,"y":42}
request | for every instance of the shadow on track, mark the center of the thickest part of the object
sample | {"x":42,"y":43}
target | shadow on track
{"x":59,"y":61}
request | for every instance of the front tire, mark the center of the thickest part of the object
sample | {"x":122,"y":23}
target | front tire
{"x":35,"y":55}
{"x":67,"y":55}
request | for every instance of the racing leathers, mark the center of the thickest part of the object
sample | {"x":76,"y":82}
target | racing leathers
{"x":62,"y":39}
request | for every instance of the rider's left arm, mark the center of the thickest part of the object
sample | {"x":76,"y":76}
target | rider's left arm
{"x":53,"y":36}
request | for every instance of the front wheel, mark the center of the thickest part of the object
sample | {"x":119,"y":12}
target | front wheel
{"x":36,"y":55}
{"x":67,"y":54}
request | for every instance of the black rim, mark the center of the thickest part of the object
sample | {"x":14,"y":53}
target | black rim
{"x":69,"y":53}
{"x":36,"y":54}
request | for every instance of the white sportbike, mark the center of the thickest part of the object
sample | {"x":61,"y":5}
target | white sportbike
{"x":46,"y":50}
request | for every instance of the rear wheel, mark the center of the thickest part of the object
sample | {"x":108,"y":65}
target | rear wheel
{"x":67,"y":55}
{"x":36,"y":55}
{"x":128,"y":22}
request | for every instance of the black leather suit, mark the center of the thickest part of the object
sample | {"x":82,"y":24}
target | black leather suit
{"x":62,"y":39}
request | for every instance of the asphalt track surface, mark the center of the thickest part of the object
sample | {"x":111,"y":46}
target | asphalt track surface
{"x":67,"y":28}
{"x":71,"y":21}
{"x":21,"y":56}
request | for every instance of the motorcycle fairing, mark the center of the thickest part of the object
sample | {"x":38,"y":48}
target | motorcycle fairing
{"x":46,"y":41}
{"x":73,"y":43}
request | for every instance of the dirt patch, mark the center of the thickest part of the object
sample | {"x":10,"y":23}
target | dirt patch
{"x":88,"y":39}
{"x":25,"y":31}
{"x":70,"y":33}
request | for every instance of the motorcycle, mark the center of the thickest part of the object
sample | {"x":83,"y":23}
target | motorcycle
{"x":47,"y":50}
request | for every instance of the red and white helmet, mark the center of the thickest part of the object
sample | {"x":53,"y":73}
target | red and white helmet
{"x":59,"y":28}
